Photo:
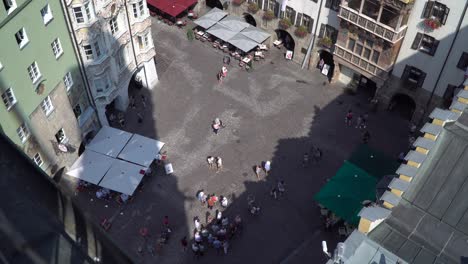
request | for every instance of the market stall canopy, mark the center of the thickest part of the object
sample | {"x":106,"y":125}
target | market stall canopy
{"x":242,"y":42}
{"x":235,"y":23}
{"x":345,"y":192}
{"x":123,"y":177}
{"x":109,"y":141}
{"x":256,"y":34}
{"x":221,"y":32}
{"x":215,"y":14}
{"x":91,"y":166}
{"x":205,"y":22}
{"x":141,"y":150}
{"x":172,"y":7}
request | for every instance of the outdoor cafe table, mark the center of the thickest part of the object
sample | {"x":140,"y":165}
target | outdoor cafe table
{"x":259,"y":53}
{"x":262,"y":47}
{"x":200,"y":33}
{"x":246,"y":59}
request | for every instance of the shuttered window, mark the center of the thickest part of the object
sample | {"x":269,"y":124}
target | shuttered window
{"x":434,"y":9}
{"x":298,"y":19}
{"x":413,"y":77}
{"x":425,"y":43}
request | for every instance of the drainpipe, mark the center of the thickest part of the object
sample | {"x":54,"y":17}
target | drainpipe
{"x":68,"y":20}
{"x":446,"y":58}
{"x":312,"y":40}
{"x":133,"y":44}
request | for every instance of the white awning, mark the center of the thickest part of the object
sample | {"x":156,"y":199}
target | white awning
{"x":256,"y":34}
{"x":109,"y":141}
{"x":141,"y":150}
{"x":210,"y":18}
{"x":235,"y":23}
{"x":221,"y":32}
{"x":242,"y":42}
{"x":91,"y":166}
{"x":123,"y":177}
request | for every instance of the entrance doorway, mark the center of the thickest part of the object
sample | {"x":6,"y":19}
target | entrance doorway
{"x":326,"y":58}
{"x":367,"y":86}
{"x":250,"y":19}
{"x":214,"y":3}
{"x":288,"y":40}
{"x":402,"y":104}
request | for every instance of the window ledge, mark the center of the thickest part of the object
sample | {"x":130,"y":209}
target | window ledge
{"x":23,"y":44}
{"x":12,"y":8}
{"x":47,"y":21}
{"x":11,"y":106}
{"x":37,"y":79}
{"x":48,"y":114}
{"x":59,"y":55}
{"x":25,"y":139}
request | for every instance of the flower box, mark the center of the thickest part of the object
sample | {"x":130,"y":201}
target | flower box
{"x":432,"y":23}
{"x":253,"y":8}
{"x":284,"y":23}
{"x":301,"y":31}
{"x":268,"y":15}
{"x":325,"y":42}
{"x":237,"y":2}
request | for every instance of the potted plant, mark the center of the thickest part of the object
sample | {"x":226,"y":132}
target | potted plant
{"x":432,"y":23}
{"x":40,"y":88}
{"x":268,"y":16}
{"x":252,"y":8}
{"x":238,"y":2}
{"x":284,"y":23}
{"x":301,"y":31}
{"x":326,"y":42}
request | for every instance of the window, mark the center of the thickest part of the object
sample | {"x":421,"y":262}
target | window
{"x":56,"y":48}
{"x":114,"y":26}
{"x":68,"y":80}
{"x":358,"y":49}
{"x":143,"y":41}
{"x":308,"y":22}
{"x":369,"y":43}
{"x":46,"y":14}
{"x":425,"y":43}
{"x":436,"y":10}
{"x":21,"y":38}
{"x":10,"y":5}
{"x":366,"y":53}
{"x":102,"y":84}
{"x":47,"y":106}
{"x":77,"y":110}
{"x":97,"y":49}
{"x":463,"y":62}
{"x":271,"y":5}
{"x":327,"y":31}
{"x":413,"y":77}
{"x":61,"y":137}
{"x":138,"y":9}
{"x":38,"y":160}
{"x":9,"y":98}
{"x":83,"y":13}
{"x":23,"y":132}
{"x":333,"y":4}
{"x":351,"y":43}
{"x":123,"y":57}
{"x":34,"y":73}
{"x":290,"y":14}
{"x":92,"y":51}
{"x":375,"y":57}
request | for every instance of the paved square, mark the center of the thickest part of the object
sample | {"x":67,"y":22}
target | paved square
{"x":268,"y":116}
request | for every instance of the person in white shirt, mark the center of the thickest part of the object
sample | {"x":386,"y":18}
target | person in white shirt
{"x":211,"y":162}
{"x":267,"y":167}
{"x":219,"y":164}
{"x":224,"y":202}
{"x":201,"y":197}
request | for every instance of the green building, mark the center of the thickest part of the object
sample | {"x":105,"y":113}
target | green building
{"x":46,"y":109}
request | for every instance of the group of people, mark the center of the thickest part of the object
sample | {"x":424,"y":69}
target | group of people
{"x":211,"y":199}
{"x":214,"y":163}
{"x":361,"y":123}
{"x":278,"y":190}
{"x":316,"y":155}
{"x":264,"y":166}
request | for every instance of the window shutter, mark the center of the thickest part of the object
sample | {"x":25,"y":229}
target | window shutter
{"x":277,"y":8}
{"x":444,"y":18}
{"x":406,"y":72}
{"x":298,"y":19}
{"x":260,"y":4}
{"x":311,"y":25}
{"x":265,"y":5}
{"x":428,"y":9}
{"x":334,"y":35}
{"x":322,"y":31}
{"x":282,"y":14}
{"x":434,"y":47}
{"x":293,"y":17}
{"x":417,"y":41}
{"x":421,"y":79}
{"x":328,"y":3}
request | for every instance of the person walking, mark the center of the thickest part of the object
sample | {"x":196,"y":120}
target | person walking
{"x":212,"y":200}
{"x":217,"y":125}
{"x":197,"y":223}
{"x":217,"y":245}
{"x":305,"y":160}
{"x":258,"y":171}
{"x":211,"y":162}
{"x":219,"y":217}
{"x":281,"y":188}
{"x":219,"y":164}
{"x":224,"y":201}
{"x":359,"y":122}
{"x":166,"y":221}
{"x":349,"y":118}
{"x":225,"y":247}
{"x":184,"y":243}
{"x":267,"y":167}
{"x":201,"y":197}
{"x":143,"y":101}
{"x":274,"y":193}
{"x":365,"y":137}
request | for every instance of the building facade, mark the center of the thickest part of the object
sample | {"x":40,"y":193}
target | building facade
{"x":432,"y":62}
{"x":46,"y":109}
{"x":115,"y":46}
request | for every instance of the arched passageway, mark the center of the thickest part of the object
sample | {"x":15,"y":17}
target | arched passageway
{"x":288,"y":40}
{"x":214,"y":3}
{"x":402,"y":104}
{"x":326,"y":58}
{"x":250,"y":19}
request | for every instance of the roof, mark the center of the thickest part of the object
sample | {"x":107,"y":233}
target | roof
{"x":415,"y":156}
{"x":242,"y":42}
{"x":456,"y":105}
{"x":390,"y":198}
{"x":109,"y":141}
{"x":172,"y":7}
{"x":399,"y":184}
{"x":374,"y":213}
{"x":90,"y":166}
{"x":424,"y":143}
{"x":210,"y":18}
{"x":445,"y":115}
{"x":141,"y":150}
{"x":234,"y":23}
{"x":359,"y":249}
{"x":407,"y":170}
{"x":222,"y":32}
{"x":431,"y":129}
{"x":463,"y":94}
{"x":123,"y":177}
{"x":345,"y":192}
{"x":256,"y":34}
{"x":430,"y":224}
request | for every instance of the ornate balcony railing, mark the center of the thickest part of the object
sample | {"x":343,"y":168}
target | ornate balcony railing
{"x":361,"y":62}
{"x":371,"y":25}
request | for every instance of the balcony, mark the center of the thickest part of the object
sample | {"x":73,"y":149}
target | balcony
{"x":361,"y":63}
{"x":371,"y":25}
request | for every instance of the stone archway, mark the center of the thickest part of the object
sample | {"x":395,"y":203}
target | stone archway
{"x":214,"y":3}
{"x":288,"y":40}
{"x":402,"y":104}
{"x":326,"y":58}
{"x":249,"y":19}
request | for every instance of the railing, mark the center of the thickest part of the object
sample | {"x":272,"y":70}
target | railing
{"x":360,"y":62}
{"x":371,"y":25}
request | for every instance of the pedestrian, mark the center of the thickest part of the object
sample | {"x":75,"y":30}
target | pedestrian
{"x":258,"y":170}
{"x":365,"y":137}
{"x":197,"y":237}
{"x":267,"y":167}
{"x":211,"y":162}
{"x":349,"y":118}
{"x":401,"y":157}
{"x":225,"y":247}
{"x":201,"y":197}
{"x":317,"y":154}
{"x":359,"y":122}
{"x":196,"y":250}
{"x":274,"y":193}
{"x":140,"y":118}
{"x":224,"y":201}
{"x":143,"y":101}
{"x":166,"y":221}
{"x":219,"y":164}
{"x":225,"y":222}
{"x":305,"y":159}
{"x":219,"y":216}
{"x":197,"y":223}
{"x":412,"y":128}
{"x":184,"y":243}
{"x":132,"y":102}
{"x":281,"y":188}
{"x":217,"y":245}
{"x":215,"y":228}
{"x":210,"y":239}
{"x":217,"y":125}
{"x":365,"y":120}
{"x":411,"y":140}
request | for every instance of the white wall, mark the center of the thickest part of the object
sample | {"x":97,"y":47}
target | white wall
{"x":431,"y":65}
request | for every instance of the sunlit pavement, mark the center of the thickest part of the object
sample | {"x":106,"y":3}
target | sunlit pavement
{"x":268,"y":116}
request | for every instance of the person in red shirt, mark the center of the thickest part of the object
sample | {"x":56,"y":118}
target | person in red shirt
{"x":166,"y":221}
